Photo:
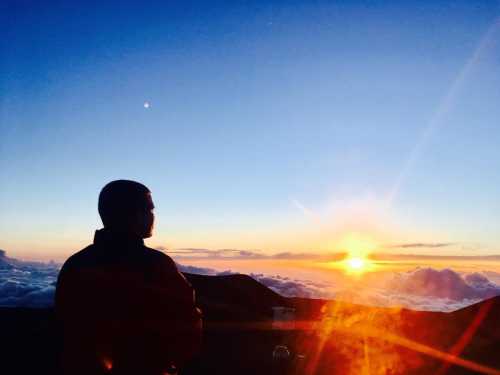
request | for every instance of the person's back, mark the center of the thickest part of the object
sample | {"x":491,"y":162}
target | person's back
{"x":124,"y":307}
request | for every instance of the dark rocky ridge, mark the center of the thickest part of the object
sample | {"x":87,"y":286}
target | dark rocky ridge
{"x":334,"y":338}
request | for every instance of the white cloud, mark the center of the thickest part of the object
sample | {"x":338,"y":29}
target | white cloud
{"x":280,"y":284}
{"x":196,"y":270}
{"x":444,"y":284}
{"x":294,"y":287}
{"x":28,"y":284}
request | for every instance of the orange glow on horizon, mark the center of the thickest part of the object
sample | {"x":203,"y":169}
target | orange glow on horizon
{"x":358,"y":248}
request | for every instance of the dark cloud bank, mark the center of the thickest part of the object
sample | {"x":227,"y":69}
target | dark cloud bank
{"x":32,"y":284}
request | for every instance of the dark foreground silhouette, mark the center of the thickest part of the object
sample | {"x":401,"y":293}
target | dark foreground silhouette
{"x":123,"y":308}
{"x":332,"y":338}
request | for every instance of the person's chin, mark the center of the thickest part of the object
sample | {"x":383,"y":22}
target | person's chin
{"x":147,"y":235}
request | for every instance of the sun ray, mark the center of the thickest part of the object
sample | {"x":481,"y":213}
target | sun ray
{"x":443,"y":108}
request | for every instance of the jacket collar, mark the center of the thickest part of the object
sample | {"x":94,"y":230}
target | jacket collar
{"x":108,"y":238}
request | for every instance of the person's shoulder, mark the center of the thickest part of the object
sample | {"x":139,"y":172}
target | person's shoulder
{"x":79,"y":258}
{"x":158,"y":255}
{"x":160,"y":258}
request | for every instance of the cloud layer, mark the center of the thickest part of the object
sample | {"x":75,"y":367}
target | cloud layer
{"x":420,"y":289}
{"x":446,"y":283}
{"x":184,"y":255}
{"x":27,"y":284}
{"x":32,"y":284}
{"x":283,"y":285}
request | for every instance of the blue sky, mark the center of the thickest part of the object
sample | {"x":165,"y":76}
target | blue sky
{"x":262,"y":115}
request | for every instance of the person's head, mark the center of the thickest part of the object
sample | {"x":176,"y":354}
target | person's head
{"x":127,"y":206}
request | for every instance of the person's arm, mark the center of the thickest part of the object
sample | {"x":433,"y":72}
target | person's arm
{"x":66,"y":289}
{"x":174,"y":287}
{"x":186,"y":327}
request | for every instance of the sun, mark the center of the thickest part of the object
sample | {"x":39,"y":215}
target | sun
{"x":358,"y":249}
{"x":356,"y":263}
{"x":357,"y":252}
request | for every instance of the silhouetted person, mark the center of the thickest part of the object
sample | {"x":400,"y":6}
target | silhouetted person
{"x":125,"y":308}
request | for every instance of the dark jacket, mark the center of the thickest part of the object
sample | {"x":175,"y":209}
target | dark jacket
{"x":124,"y":308}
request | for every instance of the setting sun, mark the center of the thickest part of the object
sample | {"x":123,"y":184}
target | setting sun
{"x":358,"y":248}
{"x":355,"y":263}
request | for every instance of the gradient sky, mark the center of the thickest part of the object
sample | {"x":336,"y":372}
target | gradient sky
{"x":272,"y":125}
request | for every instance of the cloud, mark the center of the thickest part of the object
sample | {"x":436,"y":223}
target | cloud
{"x":196,"y":270}
{"x":203,"y":270}
{"x":27,"y":296}
{"x":32,"y":284}
{"x":294,"y":287}
{"x":185,"y":254}
{"x":446,"y":284}
{"x":214,"y":254}
{"x":391,"y":299}
{"x":423,"y":289}
{"x":28,"y":284}
{"x":420,"y":289}
{"x":283,"y":285}
{"x":420,"y":245}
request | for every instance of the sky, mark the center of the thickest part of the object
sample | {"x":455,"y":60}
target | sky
{"x":269,"y":126}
